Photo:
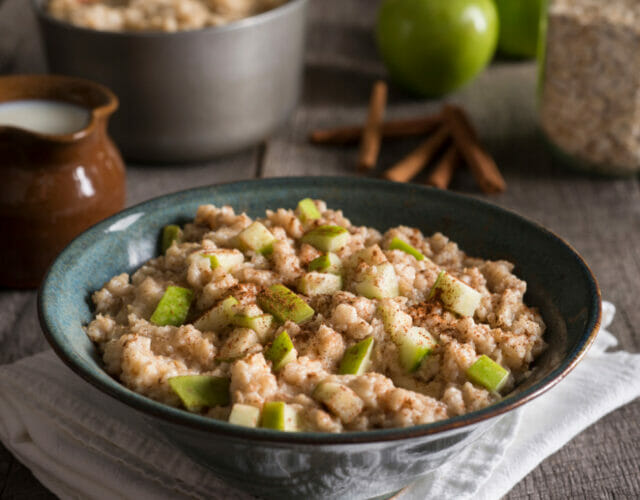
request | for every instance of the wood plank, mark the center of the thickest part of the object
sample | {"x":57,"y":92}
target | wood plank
{"x":147,"y":181}
{"x":19,"y":314}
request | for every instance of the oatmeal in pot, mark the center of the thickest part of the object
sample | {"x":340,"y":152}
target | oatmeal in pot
{"x":155,"y":15}
{"x":302,"y":321}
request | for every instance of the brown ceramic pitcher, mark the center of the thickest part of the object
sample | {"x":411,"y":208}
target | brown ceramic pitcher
{"x":52,"y":187}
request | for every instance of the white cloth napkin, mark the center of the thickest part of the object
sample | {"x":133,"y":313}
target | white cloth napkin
{"x":78,"y":444}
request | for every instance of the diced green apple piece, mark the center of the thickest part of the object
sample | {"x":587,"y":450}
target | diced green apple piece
{"x":225,"y":258}
{"x":455,"y":295}
{"x":307,"y":210}
{"x":327,"y":238}
{"x":201,"y":391}
{"x":244,"y":415}
{"x":398,"y":244}
{"x":326,"y":263}
{"x":279,"y":416}
{"x":284,"y":304}
{"x":260,"y":324}
{"x":340,"y":399}
{"x":258,"y":238}
{"x":393,"y":319}
{"x":315,"y":283}
{"x":414,"y":345}
{"x":377,"y":282}
{"x":239,"y":341}
{"x":281,"y":351}
{"x":173,"y":307}
{"x":355,"y":360}
{"x":170,"y":234}
{"x":218,"y":317}
{"x":487,"y":373}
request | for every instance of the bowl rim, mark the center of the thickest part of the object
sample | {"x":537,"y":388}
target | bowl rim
{"x":196,"y":422}
{"x":246,"y":22}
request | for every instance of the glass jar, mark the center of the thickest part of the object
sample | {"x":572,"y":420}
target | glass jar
{"x":589,"y":83}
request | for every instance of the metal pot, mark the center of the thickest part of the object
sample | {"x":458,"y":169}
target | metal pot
{"x":189,"y":95}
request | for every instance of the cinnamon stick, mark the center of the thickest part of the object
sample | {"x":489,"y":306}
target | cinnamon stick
{"x":484,"y":169}
{"x":442,"y":174}
{"x":407,"y":168}
{"x":390,"y":129}
{"x":372,"y":133}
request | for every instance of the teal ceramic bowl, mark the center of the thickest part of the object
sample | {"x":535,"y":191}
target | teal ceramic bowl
{"x":315,"y":465}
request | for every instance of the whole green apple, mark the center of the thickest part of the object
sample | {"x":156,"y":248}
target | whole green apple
{"x":432,"y":47}
{"x":519,"y":22}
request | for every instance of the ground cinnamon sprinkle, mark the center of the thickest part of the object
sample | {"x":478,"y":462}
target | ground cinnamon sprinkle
{"x":422,"y":311}
{"x":245,"y":292}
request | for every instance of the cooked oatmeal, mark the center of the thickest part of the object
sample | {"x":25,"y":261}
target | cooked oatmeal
{"x":155,"y":15}
{"x":302,"y":321}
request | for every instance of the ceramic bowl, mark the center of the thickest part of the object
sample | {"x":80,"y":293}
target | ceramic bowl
{"x":353,"y":464}
{"x":190,"y":95}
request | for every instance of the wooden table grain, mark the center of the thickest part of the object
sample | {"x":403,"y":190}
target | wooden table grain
{"x":600,"y":217}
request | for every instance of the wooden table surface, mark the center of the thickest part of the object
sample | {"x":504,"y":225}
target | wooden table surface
{"x":600,"y":217}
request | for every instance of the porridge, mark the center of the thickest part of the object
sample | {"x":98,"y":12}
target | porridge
{"x":155,"y":15}
{"x":302,"y":321}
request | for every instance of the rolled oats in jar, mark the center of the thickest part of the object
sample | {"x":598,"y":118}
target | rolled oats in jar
{"x":590,"y":83}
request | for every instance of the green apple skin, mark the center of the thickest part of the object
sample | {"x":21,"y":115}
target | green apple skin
{"x":307,"y":211}
{"x":356,"y":359}
{"x":432,"y":47}
{"x":284,"y":304}
{"x":519,"y":27}
{"x":279,"y":416}
{"x":170,"y":234}
{"x":326,"y":263}
{"x":487,"y":373}
{"x":281,"y":351}
{"x":218,"y":317}
{"x":258,"y":238}
{"x":327,"y":238}
{"x":173,"y":307}
{"x":201,"y":391}
{"x":398,"y":244}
